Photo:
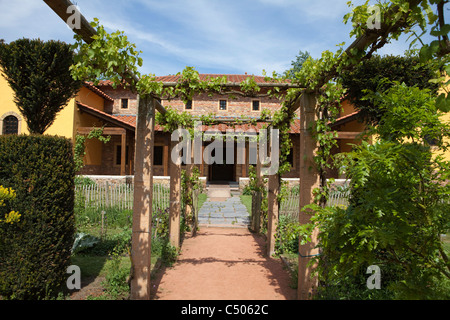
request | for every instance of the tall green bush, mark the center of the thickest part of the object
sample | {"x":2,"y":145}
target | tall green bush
{"x":35,"y":252}
{"x":399,"y":206}
{"x":378,"y":74}
{"x":38,"y":72}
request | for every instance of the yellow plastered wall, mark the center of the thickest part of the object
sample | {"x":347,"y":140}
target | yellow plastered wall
{"x":7,"y":104}
{"x":346,"y":108}
{"x":67,"y":120}
{"x":446,"y":119}
{"x":62,"y":126}
{"x":94,"y":147}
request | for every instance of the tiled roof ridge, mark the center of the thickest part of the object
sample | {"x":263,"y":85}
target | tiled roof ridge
{"x":96,"y":90}
{"x":232,"y":78}
{"x":105,"y":114}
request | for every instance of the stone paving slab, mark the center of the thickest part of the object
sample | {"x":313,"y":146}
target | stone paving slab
{"x":223,"y":209}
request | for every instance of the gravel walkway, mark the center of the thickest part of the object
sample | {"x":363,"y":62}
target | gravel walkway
{"x":224,"y":263}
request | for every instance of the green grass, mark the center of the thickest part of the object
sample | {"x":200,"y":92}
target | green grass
{"x":90,"y":265}
{"x":247,"y":201}
{"x":202,"y":197}
{"x":292,"y":261}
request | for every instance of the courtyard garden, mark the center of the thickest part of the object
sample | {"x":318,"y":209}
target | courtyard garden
{"x":396,"y":213}
{"x":103,"y":214}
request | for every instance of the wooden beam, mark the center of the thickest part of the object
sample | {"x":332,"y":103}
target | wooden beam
{"x":60,"y":8}
{"x":348,"y":135}
{"x":86,"y":31}
{"x":370,"y":37}
{"x":112,"y":131}
{"x":143,"y":199}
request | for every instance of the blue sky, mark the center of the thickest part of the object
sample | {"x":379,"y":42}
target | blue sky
{"x":214,"y":36}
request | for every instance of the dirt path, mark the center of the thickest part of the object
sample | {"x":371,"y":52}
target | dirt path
{"x":223,"y":264}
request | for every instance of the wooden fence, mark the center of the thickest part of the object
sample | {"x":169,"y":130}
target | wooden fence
{"x":290,"y":205}
{"x":120,"y":196}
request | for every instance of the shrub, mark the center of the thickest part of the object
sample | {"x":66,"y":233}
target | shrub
{"x":35,"y":251}
{"x":372,"y":75}
{"x":399,"y":205}
{"x":39,"y":74}
{"x":287,"y":235}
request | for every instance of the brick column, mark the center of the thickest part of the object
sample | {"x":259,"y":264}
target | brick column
{"x":309,"y":180}
{"x":143,"y":192}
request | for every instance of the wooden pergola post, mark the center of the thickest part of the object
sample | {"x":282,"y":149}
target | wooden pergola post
{"x":273,"y":192}
{"x":272,"y":214}
{"x":309,"y":180}
{"x":175,"y":197}
{"x":123,"y":156}
{"x":189,"y":209}
{"x":142,"y":205}
{"x":166,"y":155}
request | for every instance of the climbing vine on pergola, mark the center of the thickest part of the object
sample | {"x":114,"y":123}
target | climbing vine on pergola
{"x":315,"y":89}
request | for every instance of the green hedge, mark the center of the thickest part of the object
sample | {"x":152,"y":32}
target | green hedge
{"x":35,"y":252}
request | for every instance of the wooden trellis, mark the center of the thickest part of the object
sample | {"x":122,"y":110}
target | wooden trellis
{"x":306,"y":101}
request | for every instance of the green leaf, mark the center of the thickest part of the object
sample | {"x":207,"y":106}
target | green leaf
{"x":443,"y":103}
{"x":442,"y":32}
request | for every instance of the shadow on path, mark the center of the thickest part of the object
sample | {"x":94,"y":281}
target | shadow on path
{"x":223,"y":264}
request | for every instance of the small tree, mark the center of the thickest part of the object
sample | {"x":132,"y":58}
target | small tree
{"x":399,"y":206}
{"x":39,"y":74}
{"x":297,"y":64}
{"x":378,"y":73}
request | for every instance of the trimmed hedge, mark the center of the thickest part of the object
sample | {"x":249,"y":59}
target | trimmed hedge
{"x":35,"y":252}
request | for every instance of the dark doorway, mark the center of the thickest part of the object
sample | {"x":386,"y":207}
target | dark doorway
{"x":224,"y":171}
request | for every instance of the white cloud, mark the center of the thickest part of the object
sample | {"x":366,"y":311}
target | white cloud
{"x":234,"y":36}
{"x":206,"y":35}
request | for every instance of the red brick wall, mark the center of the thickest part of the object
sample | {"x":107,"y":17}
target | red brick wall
{"x":118,"y":94}
{"x":203,"y":104}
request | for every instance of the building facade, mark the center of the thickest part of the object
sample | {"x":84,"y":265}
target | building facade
{"x":115,"y":109}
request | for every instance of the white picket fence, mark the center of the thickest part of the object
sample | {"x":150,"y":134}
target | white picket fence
{"x":120,"y":196}
{"x":290,"y":204}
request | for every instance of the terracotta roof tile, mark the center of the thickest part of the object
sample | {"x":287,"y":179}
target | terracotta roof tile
{"x":295,"y":127}
{"x":131,"y":120}
{"x":231,"y":78}
{"x":104,"y":115}
{"x":96,"y":90}
{"x":346,"y":118}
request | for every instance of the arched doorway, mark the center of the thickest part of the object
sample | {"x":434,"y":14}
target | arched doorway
{"x":10,"y":124}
